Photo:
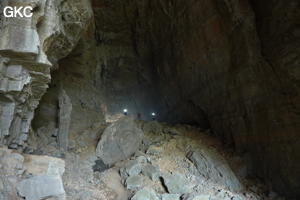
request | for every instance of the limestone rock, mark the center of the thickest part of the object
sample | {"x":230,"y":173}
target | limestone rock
{"x":151,"y":171}
{"x":113,"y":181}
{"x":119,"y":141}
{"x":213,"y":166}
{"x":145,"y":194}
{"x":11,"y":163}
{"x":232,"y":66}
{"x":65,"y":109}
{"x":133,"y":167}
{"x":170,"y":197}
{"x":46,"y":180}
{"x":43,"y":176}
{"x":135,"y":182}
{"x":176,"y":183}
{"x":11,"y":169}
{"x":123,"y":173}
{"x":245,"y":87}
{"x":196,"y":197}
{"x":41,"y":187}
{"x":44,"y":165}
{"x":29,"y":47}
{"x":141,"y":158}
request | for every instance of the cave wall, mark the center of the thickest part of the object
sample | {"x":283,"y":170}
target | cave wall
{"x":77,"y":76}
{"x":230,"y":65}
{"x":225,"y":64}
{"x":101,"y":76}
{"x":29,"y":48}
{"x":125,"y":78}
{"x":279,"y":31}
{"x":250,"y":95}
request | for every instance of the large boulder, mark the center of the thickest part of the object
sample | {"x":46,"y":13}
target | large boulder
{"x":41,"y":187}
{"x":119,"y":141}
{"x":213,"y":166}
{"x":30,"y":177}
{"x":11,"y":169}
{"x":44,"y":178}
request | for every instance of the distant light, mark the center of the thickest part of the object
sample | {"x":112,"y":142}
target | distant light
{"x":125,"y":110}
{"x":153,"y":114}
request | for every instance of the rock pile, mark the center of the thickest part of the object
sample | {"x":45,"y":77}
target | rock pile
{"x":30,"y":177}
{"x":163,"y":163}
{"x":175,"y":163}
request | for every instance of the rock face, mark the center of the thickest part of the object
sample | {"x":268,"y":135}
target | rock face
{"x":175,"y":173}
{"x":211,"y":165}
{"x":41,"y":187}
{"x":177,"y":184}
{"x":135,"y":182}
{"x":78,"y":76}
{"x":29,"y":48}
{"x":219,"y":64}
{"x":31,"y":177}
{"x":151,"y":172}
{"x":11,"y":168}
{"x":145,"y":194}
{"x":277,"y":125}
{"x":65,"y":110}
{"x":228,"y":65}
{"x":197,"y":197}
{"x":170,"y":197}
{"x":119,"y":141}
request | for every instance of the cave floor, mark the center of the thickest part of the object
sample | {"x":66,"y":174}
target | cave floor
{"x":194,"y":158}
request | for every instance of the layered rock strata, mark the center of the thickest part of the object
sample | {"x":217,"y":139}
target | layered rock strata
{"x":29,"y":49}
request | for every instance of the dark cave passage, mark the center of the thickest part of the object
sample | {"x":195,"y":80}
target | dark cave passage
{"x":227,"y":69}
